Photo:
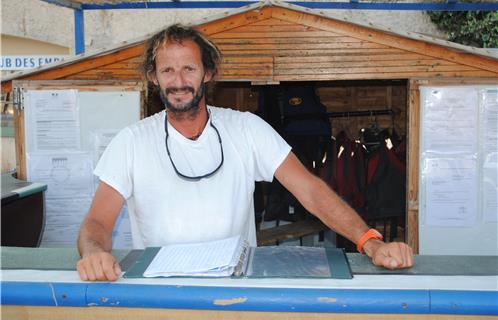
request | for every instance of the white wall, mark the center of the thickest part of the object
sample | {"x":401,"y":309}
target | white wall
{"x":36,"y":19}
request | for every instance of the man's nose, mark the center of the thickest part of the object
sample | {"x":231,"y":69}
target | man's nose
{"x":179,"y":80}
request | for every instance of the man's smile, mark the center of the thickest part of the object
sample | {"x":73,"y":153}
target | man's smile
{"x":180,"y":91}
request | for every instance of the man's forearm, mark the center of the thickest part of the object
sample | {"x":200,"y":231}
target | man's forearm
{"x":93,"y":237}
{"x":335,"y":213}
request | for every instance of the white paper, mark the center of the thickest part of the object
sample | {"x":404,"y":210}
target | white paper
{"x":66,"y":133}
{"x":451,"y":192}
{"x":218,"y":257}
{"x":489,"y":192}
{"x":63,"y":217}
{"x":106,"y":110}
{"x":101,"y":139}
{"x":69,"y":193}
{"x":449,"y":120}
{"x":489,"y":154}
{"x":489,"y":120}
{"x":52,"y":120}
{"x":67,"y":175}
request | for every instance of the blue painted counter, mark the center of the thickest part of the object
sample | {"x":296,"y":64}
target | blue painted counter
{"x":410,"y":292}
{"x":320,"y":300}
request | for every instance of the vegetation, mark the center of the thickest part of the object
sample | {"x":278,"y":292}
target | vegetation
{"x":473,"y":28}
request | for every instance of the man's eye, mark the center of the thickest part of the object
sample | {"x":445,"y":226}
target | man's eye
{"x":189,"y":69}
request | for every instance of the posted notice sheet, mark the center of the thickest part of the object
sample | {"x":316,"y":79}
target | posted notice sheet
{"x":489,"y":154}
{"x":451,"y":192}
{"x":53,"y":120}
{"x":450,"y":121}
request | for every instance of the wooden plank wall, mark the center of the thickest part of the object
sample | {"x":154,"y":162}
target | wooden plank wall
{"x":278,"y":44}
{"x":363,"y":97}
{"x":272,"y":49}
{"x":125,"y":70}
{"x":301,"y":53}
{"x":277,"y":50}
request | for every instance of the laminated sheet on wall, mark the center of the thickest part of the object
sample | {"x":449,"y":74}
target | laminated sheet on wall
{"x":458,"y":211}
{"x":66,"y":132}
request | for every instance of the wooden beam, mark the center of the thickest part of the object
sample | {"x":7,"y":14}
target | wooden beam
{"x":365,"y":69}
{"x":257,"y":28}
{"x":398,"y":56}
{"x":277,"y":47}
{"x":395,"y":41}
{"x":7,"y":86}
{"x":231,"y":22}
{"x":374,"y":76}
{"x":65,"y":3}
{"x":413,"y":105}
{"x":19,"y":143}
{"x":233,"y":34}
{"x":264,"y":39}
{"x":272,"y":22}
{"x":345,"y":63}
{"x":81,"y":66}
{"x":308,"y":52}
{"x":114,"y":313}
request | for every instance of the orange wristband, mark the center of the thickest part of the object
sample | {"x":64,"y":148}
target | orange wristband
{"x":370,"y":234}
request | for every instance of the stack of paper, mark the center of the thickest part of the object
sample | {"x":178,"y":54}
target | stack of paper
{"x":214,"y":259}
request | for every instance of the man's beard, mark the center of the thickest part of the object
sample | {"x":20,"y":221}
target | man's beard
{"x":191,"y":106}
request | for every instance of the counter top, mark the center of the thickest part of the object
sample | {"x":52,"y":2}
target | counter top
{"x":372,"y":292}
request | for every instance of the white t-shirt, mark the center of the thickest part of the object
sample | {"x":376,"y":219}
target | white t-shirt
{"x":163,"y":207}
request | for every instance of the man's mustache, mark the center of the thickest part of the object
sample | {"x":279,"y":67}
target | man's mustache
{"x":175,"y":89}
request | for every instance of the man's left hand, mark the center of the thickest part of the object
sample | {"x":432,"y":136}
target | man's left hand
{"x":393,"y":255}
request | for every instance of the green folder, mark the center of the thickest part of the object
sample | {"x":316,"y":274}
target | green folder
{"x":138,"y":268}
{"x":274,"y":262}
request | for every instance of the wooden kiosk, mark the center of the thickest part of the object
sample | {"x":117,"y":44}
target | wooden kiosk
{"x":355,"y":66}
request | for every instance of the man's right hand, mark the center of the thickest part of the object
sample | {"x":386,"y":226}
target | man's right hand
{"x":101,"y":266}
{"x":95,"y":238}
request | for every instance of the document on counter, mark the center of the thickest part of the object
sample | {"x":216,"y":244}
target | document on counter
{"x":215,"y":258}
{"x":451,"y":192}
{"x":233,"y":257}
{"x":52,"y":119}
{"x":450,"y":120}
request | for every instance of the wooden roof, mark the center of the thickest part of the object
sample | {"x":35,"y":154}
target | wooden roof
{"x":274,"y":41}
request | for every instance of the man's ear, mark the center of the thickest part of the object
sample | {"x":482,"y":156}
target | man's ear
{"x":151,"y":76}
{"x":208,"y":76}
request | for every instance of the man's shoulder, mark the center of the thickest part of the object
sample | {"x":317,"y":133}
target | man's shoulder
{"x":228,"y":115}
{"x":146,"y":125}
{"x":224,"y":112}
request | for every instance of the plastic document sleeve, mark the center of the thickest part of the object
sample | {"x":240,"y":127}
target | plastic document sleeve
{"x":259,"y":262}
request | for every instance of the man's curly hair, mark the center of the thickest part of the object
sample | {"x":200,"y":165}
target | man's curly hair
{"x":210,"y":54}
